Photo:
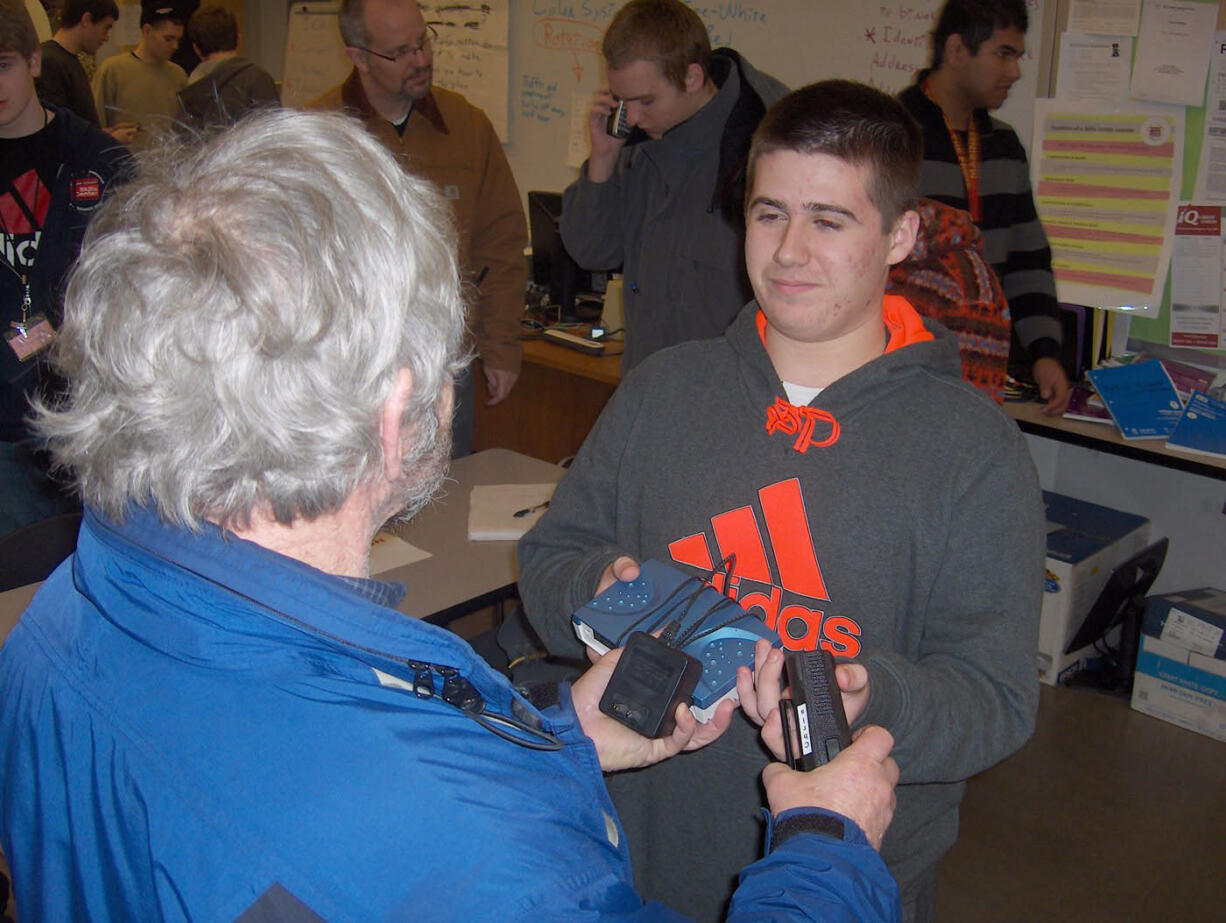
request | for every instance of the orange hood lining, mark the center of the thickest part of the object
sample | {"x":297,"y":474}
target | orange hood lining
{"x":903,"y":324}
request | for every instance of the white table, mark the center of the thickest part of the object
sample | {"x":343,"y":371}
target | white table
{"x":462,"y":576}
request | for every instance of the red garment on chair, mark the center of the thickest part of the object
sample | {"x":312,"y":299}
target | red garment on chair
{"x":947,"y":278}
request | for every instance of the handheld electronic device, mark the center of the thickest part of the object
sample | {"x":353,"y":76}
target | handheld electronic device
{"x":650,"y":681}
{"x":570,"y":341}
{"x":694,"y":617}
{"x":616,"y":125}
{"x":814,"y":723}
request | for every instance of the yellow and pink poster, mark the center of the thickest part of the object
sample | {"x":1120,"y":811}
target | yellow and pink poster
{"x":1106,"y":184}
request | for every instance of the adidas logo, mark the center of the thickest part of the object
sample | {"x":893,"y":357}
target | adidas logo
{"x":776,"y":571}
{"x":22,"y":212}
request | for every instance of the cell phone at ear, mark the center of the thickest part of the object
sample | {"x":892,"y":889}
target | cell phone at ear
{"x":617,"y":125}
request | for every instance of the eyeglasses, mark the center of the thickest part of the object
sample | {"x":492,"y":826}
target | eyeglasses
{"x":423,"y":47}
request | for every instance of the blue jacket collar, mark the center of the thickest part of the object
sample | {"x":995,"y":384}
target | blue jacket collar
{"x":217,"y":580}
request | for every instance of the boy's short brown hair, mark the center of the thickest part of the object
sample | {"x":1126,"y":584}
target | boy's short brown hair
{"x":665,"y":31}
{"x":857,"y":124}
{"x":213,"y":29}
{"x":17,"y":33}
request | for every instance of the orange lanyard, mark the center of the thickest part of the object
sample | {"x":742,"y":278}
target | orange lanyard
{"x":968,"y":156}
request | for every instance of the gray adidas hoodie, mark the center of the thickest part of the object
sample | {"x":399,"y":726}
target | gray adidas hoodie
{"x":897,"y":520}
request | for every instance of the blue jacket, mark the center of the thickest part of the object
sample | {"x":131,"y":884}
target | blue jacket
{"x":191,"y":725}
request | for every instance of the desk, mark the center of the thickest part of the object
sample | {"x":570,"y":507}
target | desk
{"x":558,"y":397}
{"x":1106,"y":814}
{"x":1106,"y":438}
{"x":459,"y":576}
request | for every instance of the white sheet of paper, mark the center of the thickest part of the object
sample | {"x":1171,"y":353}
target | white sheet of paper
{"x":388,"y":552}
{"x":1094,"y":67}
{"x":1107,"y":17}
{"x":472,"y":55}
{"x":492,"y":509}
{"x":1196,"y":278}
{"x":1211,"y":171}
{"x":1173,"y":52}
{"x":576,"y":151}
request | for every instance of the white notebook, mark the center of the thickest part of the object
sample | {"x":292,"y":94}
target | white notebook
{"x":492,"y":509}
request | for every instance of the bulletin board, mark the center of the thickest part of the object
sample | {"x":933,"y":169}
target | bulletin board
{"x":1158,"y":329}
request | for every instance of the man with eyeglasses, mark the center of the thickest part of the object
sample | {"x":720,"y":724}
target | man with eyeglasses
{"x":975,"y":162}
{"x":438,"y":134}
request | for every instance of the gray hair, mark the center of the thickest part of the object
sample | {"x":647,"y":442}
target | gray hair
{"x":240,"y":314}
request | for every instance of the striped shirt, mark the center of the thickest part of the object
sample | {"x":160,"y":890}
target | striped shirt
{"x":1013,"y":238}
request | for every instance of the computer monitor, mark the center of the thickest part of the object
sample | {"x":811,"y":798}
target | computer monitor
{"x":552,"y":266}
{"x":1121,"y":603}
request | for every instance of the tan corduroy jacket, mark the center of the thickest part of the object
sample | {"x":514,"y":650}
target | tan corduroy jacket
{"x":452,"y":143}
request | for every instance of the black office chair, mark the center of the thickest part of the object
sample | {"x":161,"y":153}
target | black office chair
{"x":32,"y":552}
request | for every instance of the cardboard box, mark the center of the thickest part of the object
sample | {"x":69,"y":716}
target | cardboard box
{"x":1084,"y":544}
{"x":1181,"y":667}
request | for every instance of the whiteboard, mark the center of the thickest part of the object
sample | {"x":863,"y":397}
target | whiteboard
{"x":471,"y":56}
{"x":554,"y":66}
{"x":556,"y":63}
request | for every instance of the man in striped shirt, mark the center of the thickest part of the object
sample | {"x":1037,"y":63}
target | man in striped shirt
{"x":975,"y":162}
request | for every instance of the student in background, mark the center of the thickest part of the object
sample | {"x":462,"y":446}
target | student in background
{"x":873,"y":503}
{"x":976,"y":162}
{"x":664,"y":203}
{"x":440,"y":135}
{"x":225,"y":84}
{"x":142,"y":85}
{"x":84,"y":28}
{"x":55,"y":169}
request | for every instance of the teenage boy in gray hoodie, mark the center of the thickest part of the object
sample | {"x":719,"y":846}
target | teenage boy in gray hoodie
{"x":876,"y":504}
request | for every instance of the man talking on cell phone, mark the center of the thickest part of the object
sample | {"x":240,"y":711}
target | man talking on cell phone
{"x":664,"y":202}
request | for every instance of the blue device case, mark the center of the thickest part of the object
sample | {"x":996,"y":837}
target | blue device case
{"x":661,"y":594}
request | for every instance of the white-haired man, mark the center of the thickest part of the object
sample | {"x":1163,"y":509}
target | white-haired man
{"x":210,"y":711}
{"x":440,"y":135}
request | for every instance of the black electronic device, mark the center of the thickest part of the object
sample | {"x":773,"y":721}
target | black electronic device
{"x":552,"y":267}
{"x":815,"y":727}
{"x":651,"y":679}
{"x":617,"y":125}
{"x":1120,"y":603}
{"x":693,"y":616}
